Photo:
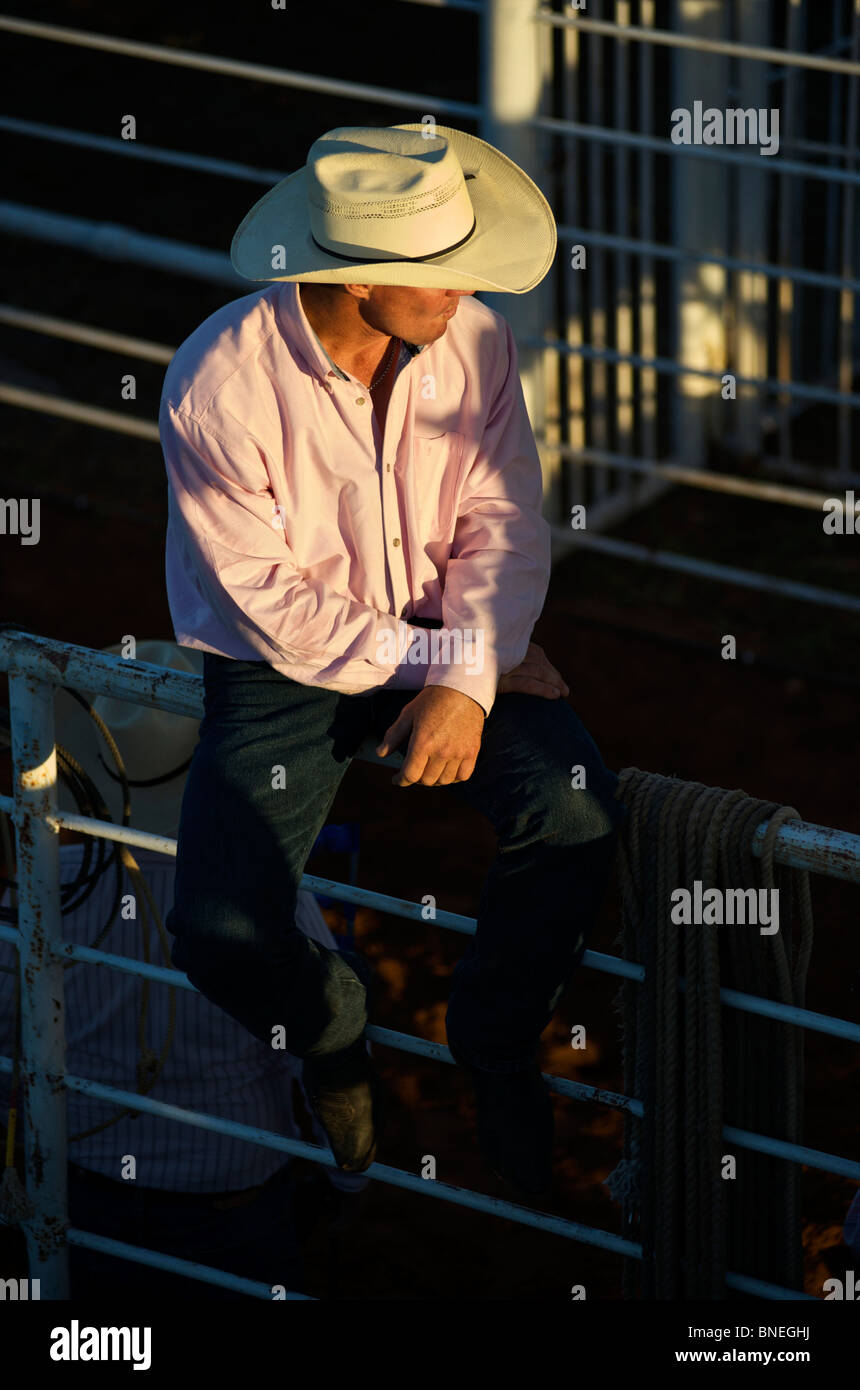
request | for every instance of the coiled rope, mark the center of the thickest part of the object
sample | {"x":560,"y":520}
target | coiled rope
{"x":697,"y":1066}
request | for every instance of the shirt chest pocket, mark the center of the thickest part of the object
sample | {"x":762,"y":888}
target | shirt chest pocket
{"x":437,"y":462}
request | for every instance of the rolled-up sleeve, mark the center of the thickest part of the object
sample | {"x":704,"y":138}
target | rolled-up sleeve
{"x":499,"y":568}
{"x":234,"y":552}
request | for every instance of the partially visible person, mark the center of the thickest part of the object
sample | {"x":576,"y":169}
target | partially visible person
{"x":202,"y":1196}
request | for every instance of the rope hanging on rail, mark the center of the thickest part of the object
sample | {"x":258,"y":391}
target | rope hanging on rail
{"x":697,"y":1065}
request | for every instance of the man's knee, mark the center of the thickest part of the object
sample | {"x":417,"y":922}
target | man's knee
{"x":577,"y":808}
{"x":270,"y":981}
{"x":562,"y":790}
{"x":584,"y":814}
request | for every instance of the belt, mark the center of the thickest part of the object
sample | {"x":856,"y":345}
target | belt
{"x":220,"y":1200}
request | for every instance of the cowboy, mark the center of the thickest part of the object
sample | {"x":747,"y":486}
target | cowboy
{"x":349,"y":461}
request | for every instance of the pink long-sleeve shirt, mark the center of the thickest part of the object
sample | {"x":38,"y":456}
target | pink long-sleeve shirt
{"x":302,"y":535}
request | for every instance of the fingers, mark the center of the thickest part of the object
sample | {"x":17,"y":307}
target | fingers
{"x":465,"y":770}
{"x":520,"y":684}
{"x":454,"y":772}
{"x":414,"y":768}
{"x":558,"y":680}
{"x":543,"y":671}
{"x":431,"y":772}
{"x":535,"y":675}
{"x":444,"y":727}
{"x":395,"y":734}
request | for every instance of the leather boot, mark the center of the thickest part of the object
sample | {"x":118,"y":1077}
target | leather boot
{"x":347,"y":1098}
{"x":516,"y":1125}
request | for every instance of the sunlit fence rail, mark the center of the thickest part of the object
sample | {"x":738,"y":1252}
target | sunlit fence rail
{"x":36,"y":666}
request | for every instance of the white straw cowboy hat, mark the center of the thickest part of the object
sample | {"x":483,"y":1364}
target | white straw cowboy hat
{"x":391,"y":205}
{"x":154,"y":744}
{"x":156,"y":747}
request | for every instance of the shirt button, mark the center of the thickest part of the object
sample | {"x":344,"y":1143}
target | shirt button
{"x":388,"y":468}
{"x":329,"y":387}
{"x":395,"y":541}
{"x":359,"y":400}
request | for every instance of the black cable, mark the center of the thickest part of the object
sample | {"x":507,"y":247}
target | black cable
{"x":89,"y":801}
{"x":88,"y":798}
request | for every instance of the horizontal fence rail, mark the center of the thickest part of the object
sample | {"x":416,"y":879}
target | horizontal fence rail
{"x":224,"y":168}
{"x":35,"y":665}
{"x":699,"y":44}
{"x":259,"y":72}
{"x":438,"y":1052}
{"x":107,"y":144}
{"x":672,"y":368}
{"x":629,"y":139}
{"x":591,"y":130}
{"x":707,"y":569}
{"x":231,"y":67}
{"x":158,"y":352}
{"x":121,"y":243}
{"x":112,"y":241}
{"x":641,"y":247}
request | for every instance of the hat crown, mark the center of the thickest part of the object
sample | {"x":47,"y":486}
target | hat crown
{"x":153,"y":743}
{"x":389,"y":193}
{"x":401,"y":206}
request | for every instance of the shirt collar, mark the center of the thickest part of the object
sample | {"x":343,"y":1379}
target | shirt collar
{"x":295,"y":322}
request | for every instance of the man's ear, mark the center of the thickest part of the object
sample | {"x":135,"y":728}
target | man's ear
{"x":358,"y":291}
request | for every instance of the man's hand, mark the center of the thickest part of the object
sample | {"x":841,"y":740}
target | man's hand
{"x":535,"y":675}
{"x":444,"y":727}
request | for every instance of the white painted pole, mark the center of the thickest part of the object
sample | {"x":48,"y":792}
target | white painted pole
{"x":700,"y":223}
{"x":512,"y":90}
{"x":750,"y":358}
{"x":40,"y":926}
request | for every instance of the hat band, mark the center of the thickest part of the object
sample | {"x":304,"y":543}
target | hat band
{"x":395,"y":260}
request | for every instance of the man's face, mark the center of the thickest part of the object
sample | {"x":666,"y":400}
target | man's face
{"x":404,"y":311}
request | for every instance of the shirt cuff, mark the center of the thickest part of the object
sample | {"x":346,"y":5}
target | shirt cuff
{"x":456,"y":657}
{"x":479,"y":687}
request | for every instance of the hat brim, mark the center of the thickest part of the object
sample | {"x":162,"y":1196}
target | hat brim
{"x":152,"y":743}
{"x":510,"y":250}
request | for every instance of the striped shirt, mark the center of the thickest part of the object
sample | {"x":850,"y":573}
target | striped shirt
{"x":214,"y":1065}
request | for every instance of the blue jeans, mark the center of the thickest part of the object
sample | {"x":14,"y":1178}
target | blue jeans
{"x":264,"y":774}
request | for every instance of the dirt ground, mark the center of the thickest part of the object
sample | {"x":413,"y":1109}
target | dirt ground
{"x":639,"y":647}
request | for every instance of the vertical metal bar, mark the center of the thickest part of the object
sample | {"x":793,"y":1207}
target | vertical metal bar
{"x":699,"y":223}
{"x":750,"y":288}
{"x":43,"y":1043}
{"x":830,"y":300}
{"x":574,"y":365}
{"x":790,"y":214}
{"x":511,"y":93}
{"x":624,"y":382}
{"x":550,"y":401}
{"x":598,"y":312}
{"x":846,"y":298}
{"x":647,"y":279}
